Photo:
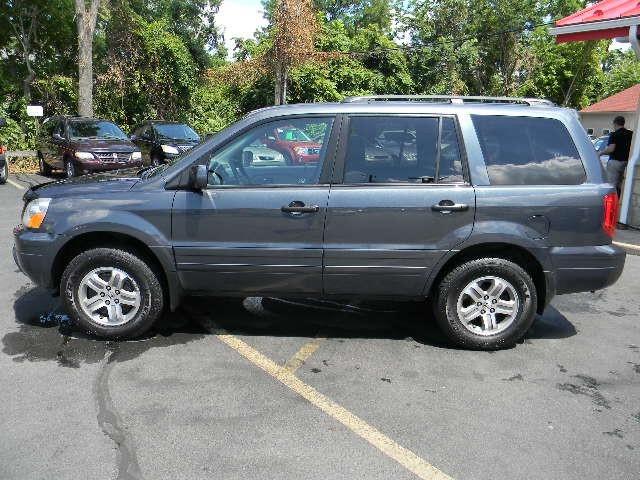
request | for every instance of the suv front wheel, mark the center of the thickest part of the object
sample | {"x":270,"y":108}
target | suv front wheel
{"x":487,"y":303}
{"x":112,"y":293}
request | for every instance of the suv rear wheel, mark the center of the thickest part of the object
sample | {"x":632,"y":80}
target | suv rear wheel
{"x":43,"y":166}
{"x":112,"y":293}
{"x":487,"y":303}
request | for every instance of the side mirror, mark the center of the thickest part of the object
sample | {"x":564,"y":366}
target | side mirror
{"x":271,"y":138}
{"x":198,"y":177}
{"x":3,"y":122}
{"x":133,"y":137}
{"x":57,"y":136}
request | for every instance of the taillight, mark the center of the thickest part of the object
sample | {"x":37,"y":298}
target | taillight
{"x":3,"y":149}
{"x":610,"y":218}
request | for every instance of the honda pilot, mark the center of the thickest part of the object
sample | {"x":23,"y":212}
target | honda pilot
{"x":485,"y":207}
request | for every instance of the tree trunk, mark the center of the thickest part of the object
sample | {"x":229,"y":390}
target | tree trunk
{"x":86,"y":24}
{"x":281,"y":75}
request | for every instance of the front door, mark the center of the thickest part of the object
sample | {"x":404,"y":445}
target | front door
{"x":400,"y":202}
{"x":258,"y":228}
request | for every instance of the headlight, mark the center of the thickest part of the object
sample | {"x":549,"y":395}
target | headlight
{"x":136,"y":156}
{"x":35,"y":212}
{"x":302,"y":150}
{"x":169,"y":149}
{"x":84,"y":155}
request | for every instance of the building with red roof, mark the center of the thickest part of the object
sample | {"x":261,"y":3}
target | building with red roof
{"x":597,"y":118}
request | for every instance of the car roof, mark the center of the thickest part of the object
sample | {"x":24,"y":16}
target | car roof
{"x":411,"y":107}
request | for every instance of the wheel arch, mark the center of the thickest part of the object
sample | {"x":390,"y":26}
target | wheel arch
{"x":508,"y":251}
{"x":101,"y":239}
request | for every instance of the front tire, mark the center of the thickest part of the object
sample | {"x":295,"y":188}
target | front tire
{"x":4,"y":172}
{"x":486,"y":304}
{"x":112,"y":293}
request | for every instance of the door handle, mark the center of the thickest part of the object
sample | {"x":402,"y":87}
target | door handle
{"x":447,"y":206}
{"x":298,"y":207}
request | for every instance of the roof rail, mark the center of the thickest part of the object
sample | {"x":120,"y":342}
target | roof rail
{"x":448,"y":99}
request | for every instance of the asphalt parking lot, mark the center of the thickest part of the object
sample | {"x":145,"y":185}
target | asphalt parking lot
{"x":263,"y":388}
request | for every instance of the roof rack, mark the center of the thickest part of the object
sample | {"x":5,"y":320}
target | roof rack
{"x":448,"y":99}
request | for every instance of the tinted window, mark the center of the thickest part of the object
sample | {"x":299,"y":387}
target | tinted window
{"x":391,"y":150}
{"x":59,"y":130}
{"x":528,"y":151}
{"x":262,"y":157}
{"x":95,"y":129}
{"x":175,"y":131}
{"x":450,"y":170}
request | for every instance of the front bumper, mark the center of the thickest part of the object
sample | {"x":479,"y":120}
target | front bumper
{"x":91,"y":166}
{"x":34,"y":253}
{"x":584,"y":269}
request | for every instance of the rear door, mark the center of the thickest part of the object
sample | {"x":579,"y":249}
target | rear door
{"x":258,"y":227}
{"x":400,"y":200}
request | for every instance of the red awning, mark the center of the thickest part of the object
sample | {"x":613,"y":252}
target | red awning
{"x":606,"y":19}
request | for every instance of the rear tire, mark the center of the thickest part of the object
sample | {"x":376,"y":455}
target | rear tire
{"x":112,"y":293}
{"x":4,"y":172}
{"x":486,"y":304}
{"x":43,"y":166}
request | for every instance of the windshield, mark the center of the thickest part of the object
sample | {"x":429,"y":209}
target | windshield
{"x":176,"y":131}
{"x":292,"y":134}
{"x":95,"y":129}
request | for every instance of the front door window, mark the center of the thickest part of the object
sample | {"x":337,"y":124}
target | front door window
{"x":284,"y":152}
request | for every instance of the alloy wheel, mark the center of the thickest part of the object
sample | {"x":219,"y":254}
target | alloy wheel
{"x":109,"y":296}
{"x":488,"y":305}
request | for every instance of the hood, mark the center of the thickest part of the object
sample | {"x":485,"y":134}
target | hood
{"x":307,"y":144}
{"x":93,"y":145}
{"x":106,"y":182}
{"x":176,"y":142}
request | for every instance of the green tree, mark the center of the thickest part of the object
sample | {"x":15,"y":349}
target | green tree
{"x":622,"y":72}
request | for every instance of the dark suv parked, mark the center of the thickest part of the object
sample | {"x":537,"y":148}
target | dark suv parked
{"x":162,"y":141}
{"x":485,"y":207}
{"x":84,"y":145}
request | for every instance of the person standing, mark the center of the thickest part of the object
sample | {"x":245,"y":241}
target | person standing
{"x":618,"y":151}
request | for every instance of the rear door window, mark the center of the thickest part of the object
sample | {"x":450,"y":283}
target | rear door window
{"x":395,"y":149}
{"x":528,"y":151}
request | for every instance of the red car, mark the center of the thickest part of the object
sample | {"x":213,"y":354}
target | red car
{"x":294,"y":144}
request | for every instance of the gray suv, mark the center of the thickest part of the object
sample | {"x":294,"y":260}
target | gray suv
{"x":486,"y":207}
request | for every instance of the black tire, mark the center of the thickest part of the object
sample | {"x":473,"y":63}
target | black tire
{"x":43,"y":166}
{"x":151,"y":293}
{"x":70,"y":168}
{"x":4,"y":172}
{"x":450,"y":290}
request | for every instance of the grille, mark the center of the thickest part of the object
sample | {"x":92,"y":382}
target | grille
{"x":184,"y":148}
{"x":113,"y":157}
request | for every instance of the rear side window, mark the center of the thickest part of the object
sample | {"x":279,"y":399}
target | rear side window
{"x":528,"y":151}
{"x":402,"y":150}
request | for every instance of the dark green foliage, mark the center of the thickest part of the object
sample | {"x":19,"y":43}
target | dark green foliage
{"x":165,"y":58}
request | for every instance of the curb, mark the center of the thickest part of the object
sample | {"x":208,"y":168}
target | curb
{"x":630,"y":248}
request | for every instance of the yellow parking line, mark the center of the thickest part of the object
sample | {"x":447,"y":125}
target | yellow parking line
{"x":386,"y":445}
{"x":17,"y":185}
{"x":303,"y":354}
